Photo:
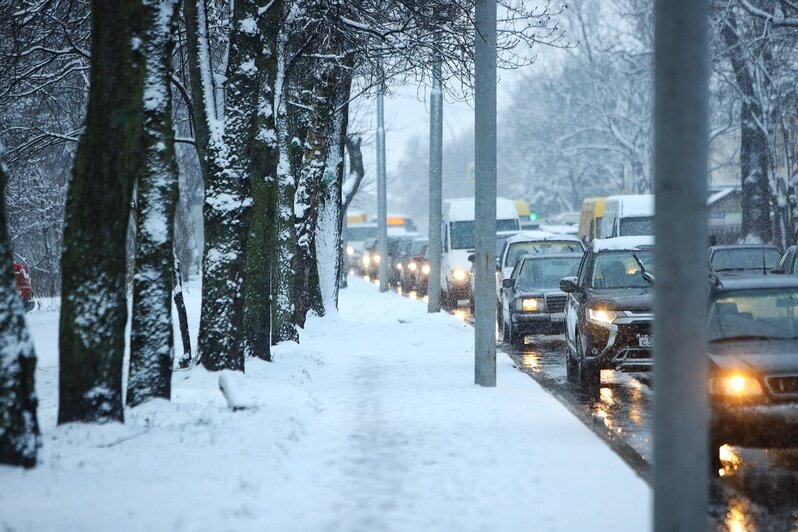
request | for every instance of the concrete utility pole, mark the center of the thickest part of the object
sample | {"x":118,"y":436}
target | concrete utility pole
{"x":680,"y":229}
{"x":485,"y":193}
{"x":435,"y":184}
{"x":382,"y":203}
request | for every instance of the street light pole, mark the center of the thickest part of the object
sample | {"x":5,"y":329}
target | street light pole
{"x":485,"y":193}
{"x":680,"y":229}
{"x":435,"y":183}
{"x":382,"y":204}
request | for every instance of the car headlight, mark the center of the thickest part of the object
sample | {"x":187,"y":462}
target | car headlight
{"x":529,"y":304}
{"x":399,"y":266}
{"x":459,"y":275}
{"x":602,"y":316}
{"x":412,"y":266}
{"x":366,"y":260}
{"x":425,"y":269}
{"x":376,"y":258}
{"x":350,"y":250}
{"x":735,"y":385}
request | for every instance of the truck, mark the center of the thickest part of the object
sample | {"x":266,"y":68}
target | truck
{"x":458,"y":244}
{"x":628,"y":215}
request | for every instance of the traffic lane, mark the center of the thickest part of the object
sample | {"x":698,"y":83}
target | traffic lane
{"x":758,"y":489}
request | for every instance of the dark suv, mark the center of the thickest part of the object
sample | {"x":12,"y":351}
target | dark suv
{"x":609,"y":311}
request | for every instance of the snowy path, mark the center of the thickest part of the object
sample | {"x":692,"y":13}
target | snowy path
{"x":370,"y":424}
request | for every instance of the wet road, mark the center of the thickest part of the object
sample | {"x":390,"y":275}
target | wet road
{"x":758,"y":489}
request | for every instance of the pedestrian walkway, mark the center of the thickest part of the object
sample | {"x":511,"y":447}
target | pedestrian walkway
{"x":372,"y":423}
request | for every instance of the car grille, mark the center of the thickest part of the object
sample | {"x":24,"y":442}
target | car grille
{"x":555,"y":304}
{"x":783,"y":385}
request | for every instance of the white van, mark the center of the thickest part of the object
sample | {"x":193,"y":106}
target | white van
{"x":628,"y":215}
{"x":458,"y":244}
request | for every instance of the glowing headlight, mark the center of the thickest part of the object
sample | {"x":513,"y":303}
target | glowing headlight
{"x":459,"y":275}
{"x":399,"y":266}
{"x":602,"y":316}
{"x":530,"y":304}
{"x":425,"y":269}
{"x":736,"y":385}
{"x":376,"y":258}
{"x":412,"y":266}
{"x":350,"y":250}
{"x":366,"y":260}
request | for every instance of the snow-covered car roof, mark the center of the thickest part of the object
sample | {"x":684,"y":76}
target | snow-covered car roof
{"x":632,"y":205}
{"x":622,"y":243}
{"x":542,"y":236}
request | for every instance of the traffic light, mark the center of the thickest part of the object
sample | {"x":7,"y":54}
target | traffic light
{"x":533,"y":216}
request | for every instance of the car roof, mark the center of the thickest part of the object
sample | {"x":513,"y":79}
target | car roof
{"x":540,"y":236}
{"x":728,"y":284}
{"x":622,"y":243}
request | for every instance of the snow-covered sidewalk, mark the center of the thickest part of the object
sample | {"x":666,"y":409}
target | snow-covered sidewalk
{"x":371,"y":424}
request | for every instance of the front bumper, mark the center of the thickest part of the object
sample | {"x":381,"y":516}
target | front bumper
{"x":761,"y":425}
{"x":619,"y":345}
{"x":537,"y":322}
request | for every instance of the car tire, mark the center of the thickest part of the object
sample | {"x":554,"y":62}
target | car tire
{"x":571,"y":365}
{"x":499,"y":314}
{"x":589,"y":376}
{"x":516,"y":340}
{"x":505,"y":332}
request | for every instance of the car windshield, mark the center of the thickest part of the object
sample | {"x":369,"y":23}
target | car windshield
{"x":643,"y":225}
{"x":731,"y":259}
{"x":545,"y":271}
{"x":619,"y":269}
{"x":462,"y":233}
{"x":541,"y":247}
{"x":500,"y":240}
{"x":756,"y":313}
{"x":359,"y":234}
{"x":417,"y":247}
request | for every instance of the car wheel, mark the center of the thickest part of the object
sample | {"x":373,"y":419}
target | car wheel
{"x":499,"y":316}
{"x":589,"y":375}
{"x":571,"y":369}
{"x":517,"y":340}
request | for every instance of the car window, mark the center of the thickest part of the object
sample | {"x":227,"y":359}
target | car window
{"x":545,"y":272}
{"x":619,"y":269}
{"x":771,"y":313}
{"x":642,"y":225}
{"x":356,"y":234}
{"x":731,"y":259}
{"x":517,"y":249}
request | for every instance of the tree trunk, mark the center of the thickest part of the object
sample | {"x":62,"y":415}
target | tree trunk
{"x":200,"y":77}
{"x":94,"y":295}
{"x":283,"y":326}
{"x":19,"y":428}
{"x":182,"y":318}
{"x":266,"y":156}
{"x":756,"y":223}
{"x":151,"y":336}
{"x":228,"y":200}
{"x":329,"y":252}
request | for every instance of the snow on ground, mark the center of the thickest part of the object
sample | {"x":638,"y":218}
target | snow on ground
{"x":371,"y":424}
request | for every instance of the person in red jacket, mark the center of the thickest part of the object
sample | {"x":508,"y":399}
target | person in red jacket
{"x":22,"y":273}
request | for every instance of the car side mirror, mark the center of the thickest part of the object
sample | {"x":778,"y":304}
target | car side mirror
{"x":471,"y":258}
{"x":508,"y":283}
{"x":569,"y":284}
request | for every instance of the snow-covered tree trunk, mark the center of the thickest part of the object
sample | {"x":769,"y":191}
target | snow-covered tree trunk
{"x":756,"y":224}
{"x":329,"y":254}
{"x":283,"y":326}
{"x":94,"y":295}
{"x":228,"y":199}
{"x":265,"y":159}
{"x":19,"y":428}
{"x":151,"y":338}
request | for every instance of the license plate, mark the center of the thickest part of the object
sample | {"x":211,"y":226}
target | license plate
{"x":645,"y":341}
